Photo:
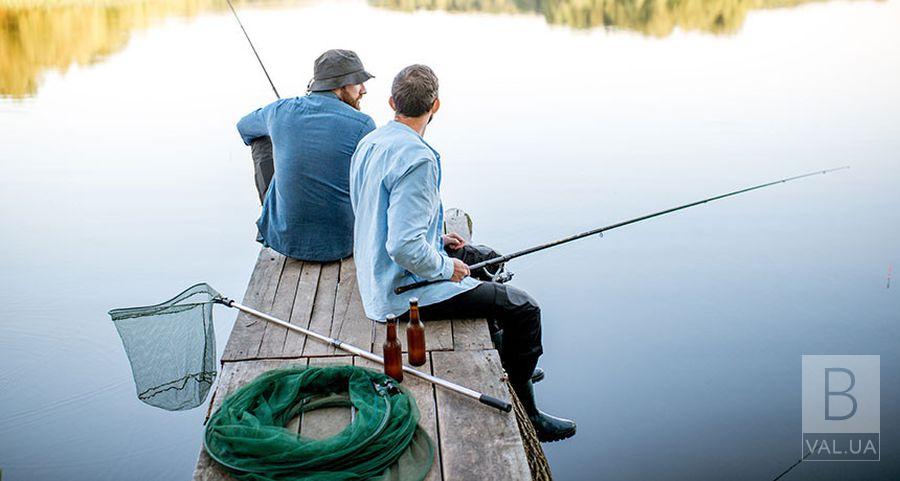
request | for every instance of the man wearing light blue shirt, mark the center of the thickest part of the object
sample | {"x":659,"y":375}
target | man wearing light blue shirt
{"x":395,"y":178}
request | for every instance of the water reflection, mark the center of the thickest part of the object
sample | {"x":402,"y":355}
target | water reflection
{"x":656,"y":18}
{"x":43,"y":36}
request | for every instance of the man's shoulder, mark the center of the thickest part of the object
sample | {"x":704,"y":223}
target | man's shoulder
{"x":402,"y":149}
{"x":335,"y":107}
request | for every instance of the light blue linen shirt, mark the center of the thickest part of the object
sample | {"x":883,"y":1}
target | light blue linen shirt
{"x":395,"y":179}
{"x":306,"y":213}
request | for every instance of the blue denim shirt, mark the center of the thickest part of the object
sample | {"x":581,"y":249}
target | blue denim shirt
{"x":395,"y":179}
{"x":306,"y":212}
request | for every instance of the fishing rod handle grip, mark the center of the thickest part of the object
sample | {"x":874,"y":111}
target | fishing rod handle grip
{"x":495,"y":403}
{"x":415,"y":285}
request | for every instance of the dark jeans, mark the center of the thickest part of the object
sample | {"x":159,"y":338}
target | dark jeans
{"x":263,"y":165}
{"x":507,"y":308}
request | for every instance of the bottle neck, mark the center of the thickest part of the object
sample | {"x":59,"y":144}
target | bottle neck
{"x":392,"y":331}
{"x":414,"y":314}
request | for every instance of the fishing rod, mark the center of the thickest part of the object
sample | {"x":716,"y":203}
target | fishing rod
{"x":253,"y":48}
{"x":481,"y":397}
{"x":601,"y":230}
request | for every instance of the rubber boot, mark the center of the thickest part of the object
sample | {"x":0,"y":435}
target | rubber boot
{"x":497,"y":337}
{"x":549,"y":428}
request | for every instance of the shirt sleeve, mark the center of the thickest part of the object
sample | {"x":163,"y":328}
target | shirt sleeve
{"x":256,"y":124}
{"x":413,"y":198}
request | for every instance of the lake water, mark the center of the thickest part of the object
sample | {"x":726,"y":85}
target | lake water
{"x":674,"y":343}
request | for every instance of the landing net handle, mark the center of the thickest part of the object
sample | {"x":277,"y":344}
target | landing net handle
{"x":337,"y":343}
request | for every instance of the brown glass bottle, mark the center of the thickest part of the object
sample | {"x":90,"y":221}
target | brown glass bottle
{"x":415,"y":335}
{"x":393,"y":355}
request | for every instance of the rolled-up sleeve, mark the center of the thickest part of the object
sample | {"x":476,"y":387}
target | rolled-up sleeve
{"x":414,"y":196}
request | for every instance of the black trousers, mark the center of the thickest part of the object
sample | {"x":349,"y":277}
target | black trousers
{"x":507,"y":308}
{"x":263,"y":164}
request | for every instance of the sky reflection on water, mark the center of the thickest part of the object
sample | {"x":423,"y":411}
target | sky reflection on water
{"x":675,"y":344}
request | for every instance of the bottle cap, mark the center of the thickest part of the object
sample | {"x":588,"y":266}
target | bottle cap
{"x":414,"y":301}
{"x":391,"y":319}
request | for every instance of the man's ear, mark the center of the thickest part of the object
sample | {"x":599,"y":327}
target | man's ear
{"x":391,"y":103}
{"x":436,"y":106}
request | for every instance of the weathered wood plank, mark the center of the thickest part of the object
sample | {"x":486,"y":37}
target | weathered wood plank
{"x":346,"y":286}
{"x":438,"y":336}
{"x":326,"y":422}
{"x":303,"y":307}
{"x":471,"y":335}
{"x":243,"y":343}
{"x":323,"y":309}
{"x":272,"y":343}
{"x":355,"y":327}
{"x":423,"y":392}
{"x":477,"y":442}
{"x":350,"y":323}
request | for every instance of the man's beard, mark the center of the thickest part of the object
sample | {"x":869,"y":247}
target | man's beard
{"x":347,"y":99}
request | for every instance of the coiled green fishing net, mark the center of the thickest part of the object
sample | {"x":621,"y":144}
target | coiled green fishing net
{"x":247,"y":434}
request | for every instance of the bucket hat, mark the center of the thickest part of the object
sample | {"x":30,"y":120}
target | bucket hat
{"x":337,"y":68}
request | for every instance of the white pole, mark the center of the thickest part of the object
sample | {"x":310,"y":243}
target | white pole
{"x":481,"y":397}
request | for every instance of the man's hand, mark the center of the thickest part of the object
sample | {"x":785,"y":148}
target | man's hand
{"x":460,"y":270}
{"x":453,"y":241}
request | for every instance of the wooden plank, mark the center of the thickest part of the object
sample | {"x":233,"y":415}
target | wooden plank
{"x":471,"y":335}
{"x":303,"y":307}
{"x":323,"y":309}
{"x":272,"y":343}
{"x":423,"y":392}
{"x":438,"y":336}
{"x":248,"y":330}
{"x":326,"y":422}
{"x":355,"y":327}
{"x":346,"y":285}
{"x":350,"y":323}
{"x":477,"y":442}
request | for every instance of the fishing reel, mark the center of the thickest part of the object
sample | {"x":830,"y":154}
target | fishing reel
{"x":501,"y":275}
{"x":481,"y":253}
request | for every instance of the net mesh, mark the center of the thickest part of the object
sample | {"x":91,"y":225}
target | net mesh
{"x":171,"y":347}
{"x":248,"y":434}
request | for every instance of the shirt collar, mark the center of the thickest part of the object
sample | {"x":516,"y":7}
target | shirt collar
{"x":326,"y":93}
{"x":403,"y":127}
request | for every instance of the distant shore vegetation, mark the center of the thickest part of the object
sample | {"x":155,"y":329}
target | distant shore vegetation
{"x":37,"y":36}
{"x":657,"y":18}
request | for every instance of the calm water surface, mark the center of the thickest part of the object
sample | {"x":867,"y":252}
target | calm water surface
{"x":675,"y":344}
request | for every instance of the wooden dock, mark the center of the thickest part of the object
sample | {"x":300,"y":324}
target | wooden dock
{"x":472,"y":441}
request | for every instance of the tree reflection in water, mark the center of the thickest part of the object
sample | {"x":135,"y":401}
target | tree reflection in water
{"x":41,"y":35}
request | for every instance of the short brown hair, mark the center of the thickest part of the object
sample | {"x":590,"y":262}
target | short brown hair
{"x":414,"y":90}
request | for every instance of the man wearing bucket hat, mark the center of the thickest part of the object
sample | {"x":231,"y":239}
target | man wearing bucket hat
{"x":306,"y":211}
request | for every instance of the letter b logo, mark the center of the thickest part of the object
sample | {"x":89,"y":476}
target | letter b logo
{"x":841,"y":408}
{"x":829,"y":393}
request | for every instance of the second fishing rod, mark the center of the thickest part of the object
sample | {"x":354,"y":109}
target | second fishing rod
{"x":601,"y":230}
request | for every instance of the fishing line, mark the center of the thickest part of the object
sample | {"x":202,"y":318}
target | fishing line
{"x":253,"y":48}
